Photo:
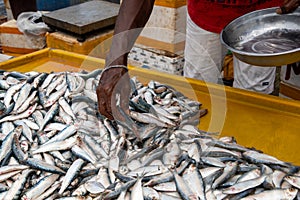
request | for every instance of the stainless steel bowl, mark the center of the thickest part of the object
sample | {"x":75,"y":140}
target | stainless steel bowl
{"x":264,"y":38}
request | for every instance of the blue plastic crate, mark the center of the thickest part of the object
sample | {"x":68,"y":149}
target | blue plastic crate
{"x":50,"y":5}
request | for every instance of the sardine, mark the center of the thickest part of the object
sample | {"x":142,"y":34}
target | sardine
{"x":10,"y":92}
{"x":6,"y":145}
{"x":18,"y":186}
{"x":41,"y":165}
{"x":257,"y":157}
{"x":41,"y":187}
{"x":71,"y":174}
{"x":24,"y":93}
{"x":277,"y":194}
{"x":293,"y":180}
{"x":242,"y":186}
{"x":137,"y":190}
{"x":182,"y":188}
{"x":156,"y":152}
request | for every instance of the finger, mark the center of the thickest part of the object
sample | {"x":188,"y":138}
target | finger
{"x":104,"y":92}
{"x":278,"y":11}
{"x":104,"y":108}
{"x":106,"y":111}
{"x":120,"y":98}
{"x":125,"y":93}
{"x":103,"y":104}
{"x":281,"y":10}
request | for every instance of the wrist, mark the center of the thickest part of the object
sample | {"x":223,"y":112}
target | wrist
{"x":111,"y":60}
{"x":114,"y":67}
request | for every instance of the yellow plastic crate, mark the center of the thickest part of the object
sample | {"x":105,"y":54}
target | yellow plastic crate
{"x":96,"y":45}
{"x":265,"y":122}
{"x":170,"y":3}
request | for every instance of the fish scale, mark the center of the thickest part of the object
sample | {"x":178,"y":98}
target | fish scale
{"x":98,"y":159}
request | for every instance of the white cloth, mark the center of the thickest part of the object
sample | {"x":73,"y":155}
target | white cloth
{"x":204,"y":56}
{"x":253,"y":78}
{"x":291,"y":74}
{"x":204,"y":53}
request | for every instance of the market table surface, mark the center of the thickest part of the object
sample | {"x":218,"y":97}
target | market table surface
{"x":265,"y":122}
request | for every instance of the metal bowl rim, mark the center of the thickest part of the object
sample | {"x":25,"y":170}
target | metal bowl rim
{"x":251,"y":53}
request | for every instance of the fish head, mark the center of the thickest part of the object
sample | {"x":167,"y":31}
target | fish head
{"x":291,"y":193}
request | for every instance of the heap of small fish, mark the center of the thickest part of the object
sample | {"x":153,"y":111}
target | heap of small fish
{"x":55,"y":145}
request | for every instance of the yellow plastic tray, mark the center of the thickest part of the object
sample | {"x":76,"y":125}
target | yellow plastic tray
{"x":268,"y":123}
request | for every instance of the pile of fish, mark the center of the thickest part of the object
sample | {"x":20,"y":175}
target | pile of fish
{"x":55,"y":145}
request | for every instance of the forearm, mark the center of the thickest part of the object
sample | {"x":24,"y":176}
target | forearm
{"x":133,"y":15}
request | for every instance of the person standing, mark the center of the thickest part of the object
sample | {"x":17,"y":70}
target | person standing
{"x":204,"y":52}
{"x":210,"y":15}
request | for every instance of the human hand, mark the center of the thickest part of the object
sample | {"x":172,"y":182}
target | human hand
{"x":113,"y":92}
{"x":288,"y":6}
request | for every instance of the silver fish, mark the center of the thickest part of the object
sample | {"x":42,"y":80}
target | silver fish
{"x":41,"y":165}
{"x":8,"y":175}
{"x":18,"y":186}
{"x":257,"y":157}
{"x":48,"y":192}
{"x":293,"y":180}
{"x":71,"y":173}
{"x":228,"y":171}
{"x":277,"y":194}
{"x":82,"y":154}
{"x":165,"y":155}
{"x":22,"y":115}
{"x":137,"y":190}
{"x":56,"y":145}
{"x":147,"y":118}
{"x":48,"y":80}
{"x":50,"y":115}
{"x":54,"y":84}
{"x":54,"y":97}
{"x":195,"y":182}
{"x":41,"y":186}
{"x":66,"y":107}
{"x":65,"y":133}
{"x":182,"y":188}
{"x":242,"y":186}
{"x":10,"y":92}
{"x":24,"y":93}
{"x":94,"y":187}
{"x":6,"y":145}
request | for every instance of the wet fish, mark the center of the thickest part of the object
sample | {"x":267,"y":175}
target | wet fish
{"x":184,"y":191}
{"x":18,"y":186}
{"x":242,"y":186}
{"x":60,"y":147}
{"x":70,"y":175}
{"x":293,"y":180}
{"x":279,"y":194}
{"x":41,"y":165}
{"x":263,"y":158}
{"x":6,"y":145}
{"x":41,"y":187}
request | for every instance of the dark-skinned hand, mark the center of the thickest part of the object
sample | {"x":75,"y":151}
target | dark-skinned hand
{"x":113,"y":92}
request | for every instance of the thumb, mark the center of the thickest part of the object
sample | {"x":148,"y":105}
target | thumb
{"x":281,"y":10}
